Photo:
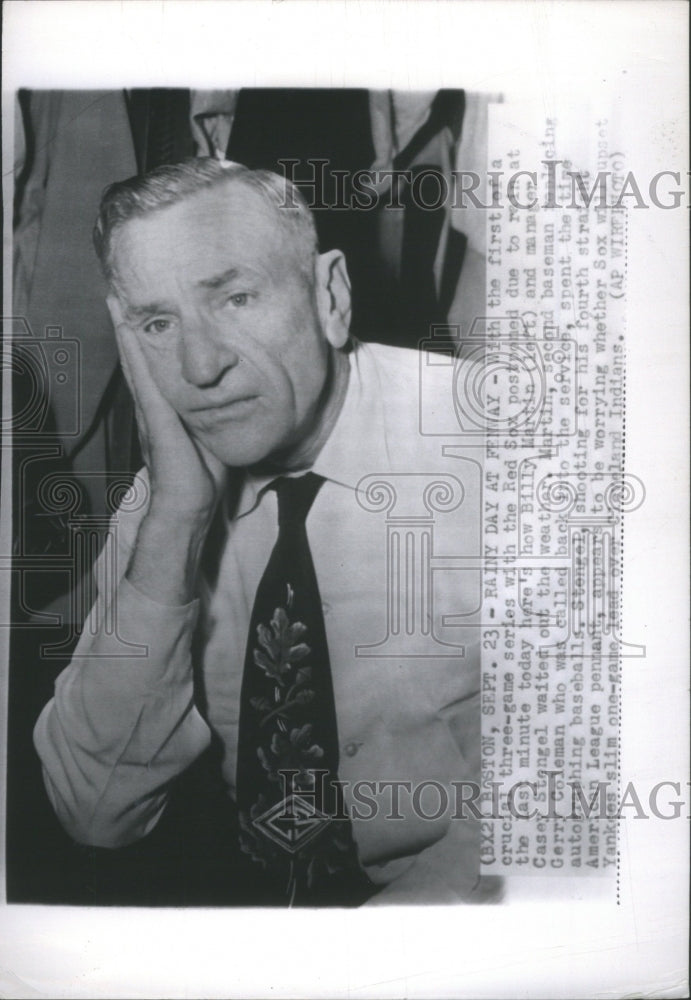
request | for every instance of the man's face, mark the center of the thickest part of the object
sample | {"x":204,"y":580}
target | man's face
{"x":227,"y":319}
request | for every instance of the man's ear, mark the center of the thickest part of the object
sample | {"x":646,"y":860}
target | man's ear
{"x":333,"y":297}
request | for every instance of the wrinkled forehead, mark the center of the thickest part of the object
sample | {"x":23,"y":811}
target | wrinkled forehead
{"x":229,"y":225}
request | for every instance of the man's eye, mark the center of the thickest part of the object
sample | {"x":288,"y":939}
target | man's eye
{"x":157,"y":326}
{"x":239,"y":298}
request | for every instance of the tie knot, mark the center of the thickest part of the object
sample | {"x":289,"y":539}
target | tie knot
{"x":296,"y":496}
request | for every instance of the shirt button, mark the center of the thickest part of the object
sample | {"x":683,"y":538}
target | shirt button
{"x":351,"y":749}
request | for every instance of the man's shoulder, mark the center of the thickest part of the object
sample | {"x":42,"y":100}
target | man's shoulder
{"x":408,"y":380}
{"x":410,"y":387}
{"x":393,"y":372}
{"x":394,"y":359}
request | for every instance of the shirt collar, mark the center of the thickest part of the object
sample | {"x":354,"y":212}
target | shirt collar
{"x":357,"y":444}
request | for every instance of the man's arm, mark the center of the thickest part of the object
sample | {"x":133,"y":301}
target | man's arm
{"x":119,"y":729}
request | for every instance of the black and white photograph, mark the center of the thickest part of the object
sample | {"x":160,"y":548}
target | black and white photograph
{"x":268,"y":627}
{"x":343,"y":544}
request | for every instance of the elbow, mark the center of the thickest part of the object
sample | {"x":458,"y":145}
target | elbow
{"x":100,"y":824}
{"x":95,"y":806}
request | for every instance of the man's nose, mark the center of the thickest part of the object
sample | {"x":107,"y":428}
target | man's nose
{"x":206,"y":354}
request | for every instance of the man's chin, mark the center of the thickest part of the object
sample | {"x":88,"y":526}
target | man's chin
{"x":240,"y":453}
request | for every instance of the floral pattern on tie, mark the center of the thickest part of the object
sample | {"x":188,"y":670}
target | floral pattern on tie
{"x":280,"y":653}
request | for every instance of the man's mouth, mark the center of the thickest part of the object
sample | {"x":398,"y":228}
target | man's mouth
{"x":226,"y":409}
{"x":224,"y":404}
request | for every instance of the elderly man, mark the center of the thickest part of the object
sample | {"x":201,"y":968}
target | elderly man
{"x":275,"y":582}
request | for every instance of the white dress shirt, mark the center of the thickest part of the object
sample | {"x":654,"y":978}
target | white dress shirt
{"x":124,"y":722}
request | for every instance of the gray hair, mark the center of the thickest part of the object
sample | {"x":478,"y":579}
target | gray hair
{"x":170,"y":184}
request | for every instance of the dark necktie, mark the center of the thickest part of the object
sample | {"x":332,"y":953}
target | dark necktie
{"x":292,"y":819}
